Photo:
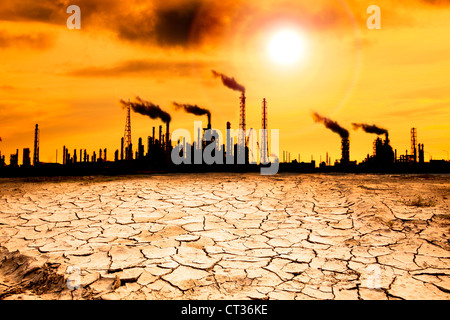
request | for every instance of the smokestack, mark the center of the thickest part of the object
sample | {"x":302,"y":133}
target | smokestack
{"x":140,"y":149}
{"x":148,"y":109}
{"x":36,"y":146}
{"x":371,"y":129}
{"x":194,"y":109}
{"x":121,"y":150}
{"x":332,"y":125}
{"x":167,"y":142}
{"x":160,"y":135}
{"x":421,"y":153}
{"x":149,"y":145}
{"x":264,"y":143}
{"x":242,"y":124}
{"x":153,"y":135}
{"x":26,"y":161}
{"x":343,"y":133}
{"x":228,"y":82}
{"x":345,"y":150}
{"x":414,"y":143}
{"x":229,"y":149}
{"x":232,"y":84}
{"x":167,"y":135}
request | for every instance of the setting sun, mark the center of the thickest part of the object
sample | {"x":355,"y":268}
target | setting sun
{"x":286,"y":47}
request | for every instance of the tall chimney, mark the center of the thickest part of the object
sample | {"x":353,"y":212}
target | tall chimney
{"x":36,"y":146}
{"x":345,"y":150}
{"x":414,"y":144}
{"x":160,"y":135}
{"x":140,"y":148}
{"x":149,"y":145}
{"x":121,"y":148}
{"x":167,"y":141}
{"x":167,"y":135}
{"x":264,"y":143}
{"x":242,"y":126}
{"x":421,"y":154}
{"x":153,"y":135}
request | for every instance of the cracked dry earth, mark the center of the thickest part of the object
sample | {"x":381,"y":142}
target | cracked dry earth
{"x":226,"y":236}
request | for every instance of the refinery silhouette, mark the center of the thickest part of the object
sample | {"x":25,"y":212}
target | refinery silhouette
{"x":157,"y":155}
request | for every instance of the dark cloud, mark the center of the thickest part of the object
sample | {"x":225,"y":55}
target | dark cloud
{"x":184,"y":23}
{"x":189,"y":23}
{"x":166,"y":26}
{"x":173,"y":26}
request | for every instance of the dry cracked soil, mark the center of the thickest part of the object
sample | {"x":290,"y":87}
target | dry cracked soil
{"x":226,"y":236}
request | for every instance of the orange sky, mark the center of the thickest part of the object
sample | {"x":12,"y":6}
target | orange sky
{"x":70,"y":81}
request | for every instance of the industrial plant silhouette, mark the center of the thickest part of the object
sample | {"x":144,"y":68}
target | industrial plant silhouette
{"x":156,"y":156}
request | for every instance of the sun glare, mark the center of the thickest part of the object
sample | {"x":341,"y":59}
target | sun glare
{"x":286,"y":47}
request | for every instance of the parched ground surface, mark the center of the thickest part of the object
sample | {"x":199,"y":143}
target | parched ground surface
{"x":226,"y":236}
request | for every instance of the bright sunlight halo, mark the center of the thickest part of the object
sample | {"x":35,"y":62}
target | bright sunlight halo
{"x":286,"y":47}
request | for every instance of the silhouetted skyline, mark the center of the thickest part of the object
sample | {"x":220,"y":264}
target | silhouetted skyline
{"x":70,"y":82}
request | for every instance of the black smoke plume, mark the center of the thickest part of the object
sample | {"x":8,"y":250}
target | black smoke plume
{"x":147,"y":109}
{"x":229,"y":82}
{"x":370,"y":128}
{"x":332,"y":125}
{"x":194,"y":109}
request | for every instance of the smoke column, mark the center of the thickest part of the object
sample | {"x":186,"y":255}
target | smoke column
{"x":332,"y":125}
{"x":370,"y":128}
{"x":194,"y":109}
{"x":148,"y":109}
{"x":229,"y":82}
